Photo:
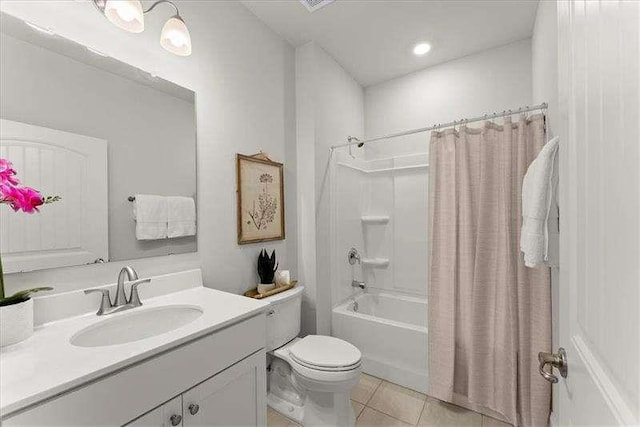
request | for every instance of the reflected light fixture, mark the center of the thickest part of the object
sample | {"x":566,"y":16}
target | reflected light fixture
{"x":129,"y":16}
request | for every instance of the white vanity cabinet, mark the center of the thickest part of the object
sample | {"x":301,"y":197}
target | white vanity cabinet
{"x":234,"y":397}
{"x":169,"y":414}
{"x":223,"y":373}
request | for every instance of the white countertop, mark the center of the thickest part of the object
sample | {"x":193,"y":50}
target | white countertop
{"x":47,"y":364}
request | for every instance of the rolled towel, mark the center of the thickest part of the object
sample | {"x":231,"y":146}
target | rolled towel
{"x":182,"y":217}
{"x":150,"y":214}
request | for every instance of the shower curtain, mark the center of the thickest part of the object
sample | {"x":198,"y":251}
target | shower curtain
{"x":489,"y":315}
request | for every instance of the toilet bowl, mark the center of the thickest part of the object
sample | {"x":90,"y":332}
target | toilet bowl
{"x":309,"y":379}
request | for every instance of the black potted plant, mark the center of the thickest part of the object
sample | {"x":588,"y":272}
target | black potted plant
{"x":267,"y":266}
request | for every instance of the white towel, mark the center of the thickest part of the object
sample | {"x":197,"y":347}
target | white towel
{"x":537,"y":193}
{"x":150,"y":214}
{"x":182,"y":216}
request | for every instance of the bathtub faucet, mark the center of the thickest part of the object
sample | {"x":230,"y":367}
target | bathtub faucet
{"x":357,"y":284}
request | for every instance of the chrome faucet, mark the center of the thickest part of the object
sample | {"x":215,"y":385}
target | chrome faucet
{"x":121,"y":302}
{"x":358,"y":284}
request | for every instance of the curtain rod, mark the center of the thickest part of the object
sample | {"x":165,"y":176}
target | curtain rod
{"x":353,"y":141}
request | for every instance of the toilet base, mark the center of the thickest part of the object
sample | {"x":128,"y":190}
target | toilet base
{"x":309,"y":401}
{"x":285,"y":408}
{"x":319,"y":409}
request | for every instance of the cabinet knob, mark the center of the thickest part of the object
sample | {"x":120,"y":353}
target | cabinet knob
{"x":194,"y":408}
{"x":175,"y":419}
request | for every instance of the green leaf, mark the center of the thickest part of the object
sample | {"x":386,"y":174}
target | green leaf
{"x":23,"y":295}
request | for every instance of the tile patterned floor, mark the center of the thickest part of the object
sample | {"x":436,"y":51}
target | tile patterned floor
{"x":380,"y":403}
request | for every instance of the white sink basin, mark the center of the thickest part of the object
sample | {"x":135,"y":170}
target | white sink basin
{"x":136,"y":324}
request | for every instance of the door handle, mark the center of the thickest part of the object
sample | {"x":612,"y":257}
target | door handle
{"x":558,"y":360}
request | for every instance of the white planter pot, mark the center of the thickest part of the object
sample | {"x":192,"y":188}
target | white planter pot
{"x":16,"y":322}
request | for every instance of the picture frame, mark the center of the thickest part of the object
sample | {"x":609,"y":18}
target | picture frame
{"x":260,"y":194}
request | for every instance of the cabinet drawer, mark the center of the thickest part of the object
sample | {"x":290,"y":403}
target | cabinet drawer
{"x":124,"y":395}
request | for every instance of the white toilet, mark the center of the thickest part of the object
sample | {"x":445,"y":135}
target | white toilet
{"x":308,"y":379}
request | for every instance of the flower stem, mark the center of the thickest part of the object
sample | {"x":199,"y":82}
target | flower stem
{"x":1,"y":280}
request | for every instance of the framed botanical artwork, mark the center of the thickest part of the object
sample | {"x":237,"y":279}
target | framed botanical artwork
{"x":260,"y":199}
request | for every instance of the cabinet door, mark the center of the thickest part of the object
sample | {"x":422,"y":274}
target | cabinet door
{"x":161,"y":416}
{"x":234,"y":397}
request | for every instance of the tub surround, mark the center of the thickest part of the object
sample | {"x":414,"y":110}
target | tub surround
{"x":48,"y":365}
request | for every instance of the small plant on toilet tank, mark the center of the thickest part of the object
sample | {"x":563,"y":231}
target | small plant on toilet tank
{"x":16,"y":310}
{"x":267,"y":266}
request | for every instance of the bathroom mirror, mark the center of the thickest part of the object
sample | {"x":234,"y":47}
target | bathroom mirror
{"x":94,"y":131}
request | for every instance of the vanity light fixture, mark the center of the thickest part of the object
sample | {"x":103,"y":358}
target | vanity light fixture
{"x":129,"y":16}
{"x":421,"y":49}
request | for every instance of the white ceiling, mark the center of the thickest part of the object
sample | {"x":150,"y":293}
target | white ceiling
{"x":373,"y":39}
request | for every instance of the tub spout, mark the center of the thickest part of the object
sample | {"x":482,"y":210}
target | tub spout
{"x":357,"y":284}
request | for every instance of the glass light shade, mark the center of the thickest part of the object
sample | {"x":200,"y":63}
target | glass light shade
{"x":125,"y":14}
{"x":175,"y":37}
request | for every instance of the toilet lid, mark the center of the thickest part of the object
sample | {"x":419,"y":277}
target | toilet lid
{"x":326,"y":353}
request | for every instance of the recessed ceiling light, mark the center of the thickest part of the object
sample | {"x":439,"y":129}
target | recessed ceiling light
{"x":421,"y":48}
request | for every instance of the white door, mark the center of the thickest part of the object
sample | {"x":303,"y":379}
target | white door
{"x":167,"y":415}
{"x":234,"y":397}
{"x":599,"y":78}
{"x":72,"y":231}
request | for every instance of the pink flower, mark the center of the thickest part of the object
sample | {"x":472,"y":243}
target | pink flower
{"x":7,"y":173}
{"x":21,"y":198}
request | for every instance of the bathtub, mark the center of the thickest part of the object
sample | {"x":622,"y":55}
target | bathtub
{"x":391,"y":332}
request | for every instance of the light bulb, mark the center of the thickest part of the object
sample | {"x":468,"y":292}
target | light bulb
{"x":125,"y":14}
{"x":175,"y":37}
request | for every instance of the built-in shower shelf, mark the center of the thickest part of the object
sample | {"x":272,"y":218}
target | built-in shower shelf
{"x":383,"y":170}
{"x":375,"y":262}
{"x":375,"y":219}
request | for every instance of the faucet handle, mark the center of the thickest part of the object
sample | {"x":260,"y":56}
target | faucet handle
{"x":105,"y":303}
{"x":134,"y":298}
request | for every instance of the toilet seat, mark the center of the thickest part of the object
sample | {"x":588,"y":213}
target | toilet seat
{"x":323,"y":353}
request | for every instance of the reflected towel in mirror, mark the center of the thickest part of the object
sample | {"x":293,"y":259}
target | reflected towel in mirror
{"x":150,"y":213}
{"x":182,"y":217}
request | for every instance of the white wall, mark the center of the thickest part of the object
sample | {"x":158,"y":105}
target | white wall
{"x":544,"y":54}
{"x":243,"y":76}
{"x":330,"y":107}
{"x":492,"y":80}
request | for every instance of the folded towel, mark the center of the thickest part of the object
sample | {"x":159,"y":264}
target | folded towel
{"x":182,"y":216}
{"x":537,"y":193}
{"x":150,"y":213}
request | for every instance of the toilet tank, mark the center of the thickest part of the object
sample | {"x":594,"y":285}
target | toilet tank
{"x":283,"y":317}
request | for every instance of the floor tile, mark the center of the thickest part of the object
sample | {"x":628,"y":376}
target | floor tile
{"x":274,"y":419}
{"x":365,"y":388}
{"x":357,"y":407}
{"x":372,"y":418}
{"x":492,"y":422}
{"x":399,"y":402}
{"x":443,"y":414}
